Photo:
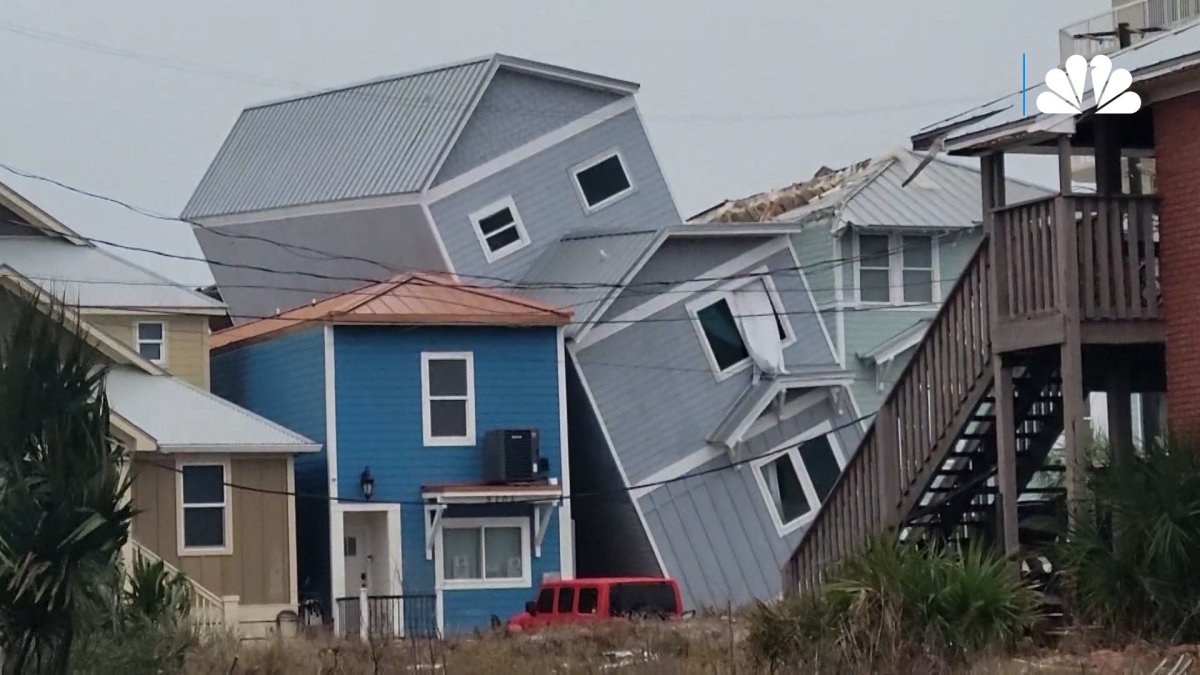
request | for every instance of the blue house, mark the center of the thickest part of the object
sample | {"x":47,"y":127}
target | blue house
{"x":441,"y":408}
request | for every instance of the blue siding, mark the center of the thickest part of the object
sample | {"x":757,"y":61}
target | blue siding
{"x":284,"y":380}
{"x":379,"y":425}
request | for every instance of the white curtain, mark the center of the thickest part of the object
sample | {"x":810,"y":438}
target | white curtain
{"x":755,"y":312}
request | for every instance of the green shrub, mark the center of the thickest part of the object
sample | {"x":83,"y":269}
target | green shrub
{"x":1131,"y":559}
{"x":897,"y":607}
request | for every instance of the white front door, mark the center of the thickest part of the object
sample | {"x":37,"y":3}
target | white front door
{"x":357,"y":549}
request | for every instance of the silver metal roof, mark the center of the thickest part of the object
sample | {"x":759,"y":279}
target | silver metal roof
{"x":1167,"y":52}
{"x":184,"y":418}
{"x":93,"y":278}
{"x":583,"y":269}
{"x":945,"y":195}
{"x":386,"y":136}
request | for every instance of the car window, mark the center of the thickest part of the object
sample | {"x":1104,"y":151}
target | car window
{"x":588,"y":596}
{"x":545,"y":601}
{"x":566,"y":600}
{"x":649,"y":598}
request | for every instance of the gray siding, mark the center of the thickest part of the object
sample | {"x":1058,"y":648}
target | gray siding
{"x":676,"y":261}
{"x":398,"y":237}
{"x":515,"y":109}
{"x":544,"y":193}
{"x":715,"y":531}
{"x":654,"y":385}
{"x":814,"y":248}
{"x":609,"y":537}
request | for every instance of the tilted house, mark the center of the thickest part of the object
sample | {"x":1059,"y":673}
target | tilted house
{"x":692,"y":349}
{"x":435,"y":402}
{"x":191,"y":448}
{"x":881,"y":252}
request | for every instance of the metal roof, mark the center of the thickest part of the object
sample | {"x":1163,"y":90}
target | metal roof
{"x":407,"y":299}
{"x":184,"y":418}
{"x":89,"y":277}
{"x":382,"y":137}
{"x":582,"y":270}
{"x":1157,"y":55}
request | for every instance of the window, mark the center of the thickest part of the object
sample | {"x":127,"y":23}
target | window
{"x":487,"y":553}
{"x":204,"y":508}
{"x":545,"y":601}
{"x":646,"y":598}
{"x":874,"y":268}
{"x":724,"y":335}
{"x":897,"y":269}
{"x":448,"y":398}
{"x":588,"y":598}
{"x":566,"y":599}
{"x":602,"y":181}
{"x":918,"y":269}
{"x":151,"y":341}
{"x":499,"y":229}
{"x":796,"y":477}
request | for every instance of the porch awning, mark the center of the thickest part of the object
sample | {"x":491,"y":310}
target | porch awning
{"x":476,"y":493}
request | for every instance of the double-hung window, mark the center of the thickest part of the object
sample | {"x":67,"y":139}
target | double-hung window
{"x":151,"y":337}
{"x":896,"y":269}
{"x":448,"y":398}
{"x":720,"y":318}
{"x":797,"y":478}
{"x":500,"y":229}
{"x":491,"y":553}
{"x":204,"y":515}
{"x":602,"y":180}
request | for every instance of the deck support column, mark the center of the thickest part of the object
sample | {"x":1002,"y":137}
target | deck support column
{"x":1006,"y":453}
{"x":1075,"y":428}
{"x":1120,"y":414}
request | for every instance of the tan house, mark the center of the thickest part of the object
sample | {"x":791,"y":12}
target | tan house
{"x":212,"y":481}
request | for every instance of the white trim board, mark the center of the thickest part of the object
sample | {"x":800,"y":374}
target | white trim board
{"x":566,"y":522}
{"x":612,"y":448}
{"x":291,"y":520}
{"x":337,"y":562}
{"x":523,"y":152}
{"x":681,"y":292}
{"x":314,"y":209}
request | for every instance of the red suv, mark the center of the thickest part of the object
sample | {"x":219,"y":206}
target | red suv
{"x":583,"y":600}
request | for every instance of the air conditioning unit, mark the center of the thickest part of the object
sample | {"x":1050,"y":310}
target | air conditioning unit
{"x":510,"y":455}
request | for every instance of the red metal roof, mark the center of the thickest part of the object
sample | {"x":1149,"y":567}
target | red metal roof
{"x":407,"y":299}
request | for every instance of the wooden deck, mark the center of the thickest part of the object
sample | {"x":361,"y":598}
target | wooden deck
{"x":1055,"y":272}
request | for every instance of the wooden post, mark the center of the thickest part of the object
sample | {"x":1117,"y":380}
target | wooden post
{"x":889,"y":465}
{"x":1120,"y":413}
{"x":1006,"y":453}
{"x":1075,"y":428}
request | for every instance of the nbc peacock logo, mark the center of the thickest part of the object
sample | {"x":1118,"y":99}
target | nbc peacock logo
{"x":1110,"y":88}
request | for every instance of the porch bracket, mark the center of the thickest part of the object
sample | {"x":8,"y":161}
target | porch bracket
{"x":433,"y":525}
{"x":544,"y":511}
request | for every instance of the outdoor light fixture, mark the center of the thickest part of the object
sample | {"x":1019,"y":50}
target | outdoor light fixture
{"x":367,"y":483}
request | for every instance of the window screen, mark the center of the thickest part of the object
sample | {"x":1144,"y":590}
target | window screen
{"x":602,"y":181}
{"x":918,"y":269}
{"x":874,"y":280}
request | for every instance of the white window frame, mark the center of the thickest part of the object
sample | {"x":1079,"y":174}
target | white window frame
{"x":491,"y":210}
{"x":426,"y":414}
{"x":162,"y":343}
{"x":934,"y":293}
{"x":726,"y":293}
{"x":526,"y":579}
{"x":790,"y":449}
{"x":227,"y":505}
{"x":593,"y":161}
{"x":896,"y":269}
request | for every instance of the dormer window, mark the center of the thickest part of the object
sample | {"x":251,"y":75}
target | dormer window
{"x":499,"y":229}
{"x":602,"y":180}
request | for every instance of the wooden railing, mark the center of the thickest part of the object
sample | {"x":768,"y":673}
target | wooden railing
{"x":1104,"y":246}
{"x":208,"y":610}
{"x":914,"y":428}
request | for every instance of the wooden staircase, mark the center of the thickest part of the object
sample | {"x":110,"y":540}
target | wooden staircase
{"x":1050,"y":277}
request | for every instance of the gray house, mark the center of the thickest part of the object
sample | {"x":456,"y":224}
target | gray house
{"x":708,"y":414}
{"x":881,"y":255}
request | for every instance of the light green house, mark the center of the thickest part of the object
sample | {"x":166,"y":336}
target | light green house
{"x":879,"y":255}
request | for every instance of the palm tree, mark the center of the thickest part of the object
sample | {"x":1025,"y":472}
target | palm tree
{"x":64,"y":512}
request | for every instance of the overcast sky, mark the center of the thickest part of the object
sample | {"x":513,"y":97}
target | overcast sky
{"x":132,"y":98}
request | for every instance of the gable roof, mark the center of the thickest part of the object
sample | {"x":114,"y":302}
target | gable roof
{"x":871,"y":193}
{"x":1157,"y":55}
{"x":382,"y":137}
{"x":406,"y":299}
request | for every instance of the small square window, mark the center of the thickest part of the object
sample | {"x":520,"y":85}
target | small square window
{"x":500,"y":230}
{"x":151,"y":340}
{"x":603,"y":181}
